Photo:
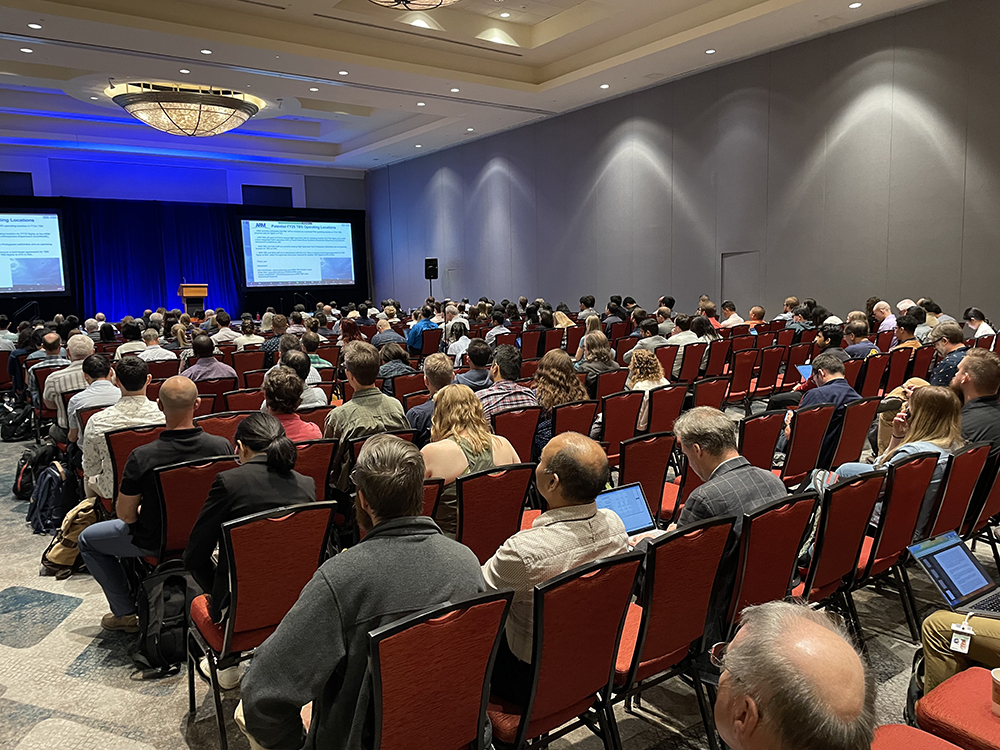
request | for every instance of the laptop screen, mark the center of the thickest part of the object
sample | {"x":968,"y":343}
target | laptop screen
{"x":953,"y":568}
{"x":629,"y":504}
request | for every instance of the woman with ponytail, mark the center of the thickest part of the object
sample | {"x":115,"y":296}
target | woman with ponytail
{"x":264,"y":480}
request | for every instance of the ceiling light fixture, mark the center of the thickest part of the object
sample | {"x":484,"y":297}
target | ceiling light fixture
{"x":414,"y":4}
{"x":342,"y":73}
{"x":34,"y":26}
{"x":26,"y":50}
{"x":94,"y":98}
{"x":505,"y":15}
{"x":710,"y":52}
{"x":206,"y":52}
{"x":469,"y":130}
{"x":187,"y":110}
{"x":185,"y":71}
{"x":420,"y":22}
{"x":605,"y":85}
{"x":454,"y":91}
{"x":314,"y":89}
{"x":854,"y":6}
{"x":419,"y":146}
{"x":421,"y":104}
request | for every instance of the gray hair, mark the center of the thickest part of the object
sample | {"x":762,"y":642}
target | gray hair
{"x":707,"y":427}
{"x":451,"y":310}
{"x":156,"y":318}
{"x":91,"y":324}
{"x":79,"y":347}
{"x":390,"y":474}
{"x":761,"y":668}
{"x":151,"y":334}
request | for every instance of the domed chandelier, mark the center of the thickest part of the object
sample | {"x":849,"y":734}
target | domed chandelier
{"x":195,"y":111}
{"x":414,"y":4}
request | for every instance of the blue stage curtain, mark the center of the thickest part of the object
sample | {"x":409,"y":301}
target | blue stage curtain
{"x":129,"y":255}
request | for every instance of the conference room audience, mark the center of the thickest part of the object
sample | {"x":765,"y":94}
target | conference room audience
{"x":207,"y":367}
{"x":572,"y":471}
{"x":299,"y":363}
{"x":791,"y":678}
{"x":291,"y":343}
{"x":394,"y":362}
{"x":438,"y":372}
{"x":66,"y":380}
{"x":477,"y":356}
{"x":51,"y":354}
{"x":650,"y":338}
{"x":505,"y":392}
{"x":831,"y":388}
{"x":385,"y":335}
{"x":100,"y":390}
{"x":555,"y":384}
{"x":248,"y":336}
{"x":153,"y":351}
{"x":598,"y":359}
{"x":461,"y":444}
{"x":136,"y":530}
{"x":319,"y":654}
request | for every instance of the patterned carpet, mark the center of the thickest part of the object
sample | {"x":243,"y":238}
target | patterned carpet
{"x":66,"y":683}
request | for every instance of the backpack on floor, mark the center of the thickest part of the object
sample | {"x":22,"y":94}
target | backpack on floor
{"x":62,"y":557}
{"x":164,"y":600}
{"x":31,"y":463}
{"x":16,"y":423}
{"x":54,"y":496}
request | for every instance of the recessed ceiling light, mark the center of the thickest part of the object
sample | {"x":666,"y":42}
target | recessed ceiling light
{"x":206,"y":52}
{"x":710,"y":52}
{"x":421,"y":104}
{"x":469,"y":130}
{"x":94,"y":98}
{"x":314,"y":89}
{"x":454,"y":91}
{"x":185,"y":71}
{"x":854,"y":6}
{"x":505,"y":15}
{"x":34,"y":26}
{"x":419,"y":146}
{"x":342,"y":73}
{"x":605,"y":85}
{"x":26,"y":51}
{"x":420,"y":23}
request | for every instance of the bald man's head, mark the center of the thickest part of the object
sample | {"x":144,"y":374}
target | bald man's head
{"x":51,"y":343}
{"x":806,"y":681}
{"x":572,"y":468}
{"x":178,"y":395}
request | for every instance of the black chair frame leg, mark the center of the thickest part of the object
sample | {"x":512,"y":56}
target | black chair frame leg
{"x":706,"y":711}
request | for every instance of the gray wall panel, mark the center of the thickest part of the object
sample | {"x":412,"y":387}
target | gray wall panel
{"x":334,"y":192}
{"x":380,"y":233}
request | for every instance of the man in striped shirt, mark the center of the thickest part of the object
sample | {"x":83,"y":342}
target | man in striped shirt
{"x":505,"y":393}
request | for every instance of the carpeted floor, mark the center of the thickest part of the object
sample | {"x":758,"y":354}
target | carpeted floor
{"x":66,"y":683}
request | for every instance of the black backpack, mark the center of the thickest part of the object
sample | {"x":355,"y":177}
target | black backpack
{"x":55,"y":494}
{"x":164,"y":600}
{"x":31,"y":463}
{"x":16,"y":423}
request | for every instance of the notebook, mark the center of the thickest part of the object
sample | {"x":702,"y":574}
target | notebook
{"x":962,"y":581}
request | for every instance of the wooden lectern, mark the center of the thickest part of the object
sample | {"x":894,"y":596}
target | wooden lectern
{"x":193,"y":296}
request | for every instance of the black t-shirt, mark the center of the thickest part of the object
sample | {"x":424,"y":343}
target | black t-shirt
{"x":173,"y":446}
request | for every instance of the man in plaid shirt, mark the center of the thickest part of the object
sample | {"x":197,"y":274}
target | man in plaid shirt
{"x":505,"y":393}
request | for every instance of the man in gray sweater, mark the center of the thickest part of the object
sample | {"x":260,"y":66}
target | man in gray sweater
{"x":319,"y":653}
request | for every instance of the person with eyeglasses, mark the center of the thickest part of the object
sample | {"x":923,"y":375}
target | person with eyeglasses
{"x":791,"y":679}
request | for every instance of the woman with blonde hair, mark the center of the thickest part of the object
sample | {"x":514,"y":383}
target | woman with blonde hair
{"x":562,"y":320}
{"x":593,"y":325}
{"x":180,"y":338}
{"x":555,"y":384}
{"x":598,"y":360}
{"x":461,"y":443}
{"x":644,"y":374}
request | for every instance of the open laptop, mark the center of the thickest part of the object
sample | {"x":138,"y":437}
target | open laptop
{"x":629,"y":504}
{"x":962,"y":581}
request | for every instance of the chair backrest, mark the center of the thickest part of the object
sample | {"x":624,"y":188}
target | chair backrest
{"x":529,"y":367}
{"x":84,"y":416}
{"x":680,"y":571}
{"x":518,"y":426}
{"x":797,"y":355}
{"x":845,"y":510}
{"x":689,"y":481}
{"x":759,"y":436}
{"x":920,"y":365}
{"x":552,"y":339}
{"x":41,"y":375}
{"x":315,"y":460}
{"x":261,"y":591}
{"x":164,"y":368}
{"x":784,"y":336}
{"x":329,"y":352}
{"x":873,"y":371}
{"x":254,"y":378}
{"x":765,"y":339}
{"x":575,"y":416}
{"x":489,"y":507}
{"x":990,"y":504}
{"x":248,"y":360}
{"x":458,"y":644}
{"x":183,"y":489}
{"x":123,"y":441}
{"x":431,"y":341}
{"x":743,"y":341}
{"x":899,"y":362}
{"x":506,"y":339}
{"x":665,"y":405}
{"x":611,"y":382}
{"x":584,"y":605}
{"x":718,"y":355}
{"x":809,"y":427}
{"x":415,"y":399}
{"x":244,"y":399}
{"x":648,"y":457}
{"x":769,"y":359}
{"x":153,"y":389}
{"x":742,"y":375}
{"x":620,"y":330}
{"x":852,"y":368}
{"x":223,"y":423}
{"x":432,"y":493}
{"x":711,"y":391}
{"x":212,"y":390}
{"x":406,"y":384}
{"x":667,"y":354}
{"x":574,"y":336}
{"x":808,"y":335}
{"x":883,"y":340}
{"x":621,"y":413}
{"x":770,"y":541}
{"x":315,"y":414}
{"x":691,"y":362}
{"x":965,"y":468}
{"x":530,"y":341}
{"x":858,"y":416}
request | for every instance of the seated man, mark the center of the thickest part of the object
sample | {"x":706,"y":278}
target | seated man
{"x":297,"y":360}
{"x":664,"y":321}
{"x":976,"y":383}
{"x":831,"y":388}
{"x":68,"y":379}
{"x":730,"y":318}
{"x":52,"y":356}
{"x":297,"y":328}
{"x":942,"y":662}
{"x":572,"y":471}
{"x":792,"y":680}
{"x":385,"y":335}
{"x":100,"y":391}
{"x":310,"y":345}
{"x":614,"y":315}
{"x":906,"y":338}
{"x":923,"y":329}
{"x":438,"y":373}
{"x":478,"y":356}
{"x":858,"y":345}
{"x":650,"y":338}
{"x":279,"y":325}
{"x":226,"y":335}
{"x":136,"y":531}
{"x":497,"y":329}
{"x":800,"y":322}
{"x":506,"y":392}
{"x":883,"y":315}
{"x":786,"y":313}
{"x":207,"y":367}
{"x":829,"y":338}
{"x":415,"y":336}
{"x":319,"y":653}
{"x":756,"y":318}
{"x":132,"y":333}
{"x":291,"y":343}
{"x":587,"y":310}
{"x":949,"y":343}
{"x":153,"y":351}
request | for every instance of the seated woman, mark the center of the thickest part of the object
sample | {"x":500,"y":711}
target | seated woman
{"x":461,"y":444}
{"x":283,"y":395}
{"x":458,"y":347}
{"x":592,"y":325}
{"x":395,"y":361}
{"x":599,"y":359}
{"x":644,"y":374}
{"x":556,"y":384}
{"x":975,"y":320}
{"x":704,"y":330}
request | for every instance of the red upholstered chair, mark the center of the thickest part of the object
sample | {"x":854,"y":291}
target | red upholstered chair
{"x":905,"y":486}
{"x":314,"y":460}
{"x":765,"y":339}
{"x":531,"y":342}
{"x":718,"y":356}
{"x":261,"y":591}
{"x":5,"y":381}
{"x":884,"y":339}
{"x":211,"y":391}
{"x":552,"y":339}
{"x":575,"y":416}
{"x":621,"y":330}
{"x":518,"y":426}
{"x":902,"y":737}
{"x":244,"y":399}
{"x":403,"y":385}
{"x":808,"y":336}
{"x":711,"y":391}
{"x":489,"y":507}
{"x":769,"y":361}
{"x":121,"y":443}
{"x":743,"y":341}
{"x":988,"y":507}
{"x":667,"y":354}
{"x":691,"y":362}
{"x":871,"y":375}
{"x":852,"y":368}
{"x":458,"y":644}
{"x":327,"y":389}
{"x":626,"y":344}
{"x":584,"y":605}
{"x":676,"y":493}
{"x":153,"y":389}
{"x":574,"y":336}
{"x":84,"y":416}
{"x":809,"y":427}
{"x":920,"y":364}
{"x":346,"y":390}
{"x":797,"y":355}
{"x":665,"y":405}
{"x":331,"y":353}
{"x":741,"y":387}
{"x":964,"y":469}
{"x":664,"y":631}
{"x":506,"y":339}
{"x":223,"y":423}
{"x":858,"y":416}
{"x":899,"y":363}
{"x":611,"y":382}
{"x":620,"y":414}
{"x":415,"y":399}
{"x":432,"y":493}
{"x":316,"y":415}
{"x":844,"y":512}
{"x":42,"y":411}
{"x":985,"y":342}
{"x":529,"y":367}
{"x":959,"y":710}
{"x":784,"y":336}
{"x":164,"y":368}
{"x":431,"y":341}
{"x":183,"y":489}
{"x":254,"y":378}
{"x":769,"y":549}
{"x":759,"y":436}
{"x":644,"y":459}
{"x":247,"y":360}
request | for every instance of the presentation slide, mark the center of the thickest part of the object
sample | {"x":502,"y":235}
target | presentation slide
{"x":30,"y":254}
{"x":297,"y":253}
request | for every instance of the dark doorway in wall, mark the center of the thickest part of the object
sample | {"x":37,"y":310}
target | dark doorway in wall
{"x":267,"y":195}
